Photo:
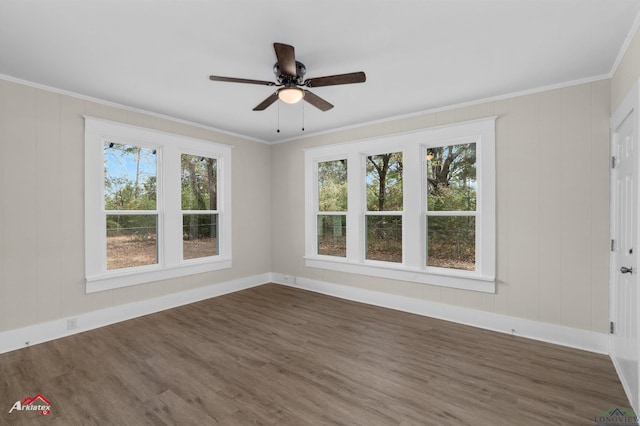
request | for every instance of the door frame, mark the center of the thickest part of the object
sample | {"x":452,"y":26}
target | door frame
{"x":630,"y":105}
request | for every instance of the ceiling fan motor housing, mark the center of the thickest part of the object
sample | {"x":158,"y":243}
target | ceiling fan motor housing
{"x":287,"y":80}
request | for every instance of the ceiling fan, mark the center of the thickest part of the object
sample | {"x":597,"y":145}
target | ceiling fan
{"x":290,"y":80}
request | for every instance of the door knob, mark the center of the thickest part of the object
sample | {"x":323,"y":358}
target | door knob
{"x":626,"y":270}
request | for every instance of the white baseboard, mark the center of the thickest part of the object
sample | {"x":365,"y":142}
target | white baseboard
{"x":560,"y":335}
{"x":536,"y":330}
{"x":51,"y":330}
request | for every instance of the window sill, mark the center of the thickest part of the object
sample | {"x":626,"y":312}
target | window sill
{"x":463,"y":280}
{"x":125,"y":278}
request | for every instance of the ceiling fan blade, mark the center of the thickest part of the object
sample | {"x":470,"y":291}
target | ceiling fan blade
{"x":334,"y":80}
{"x":241,"y":80}
{"x":286,"y":58}
{"x":317,"y":101}
{"x":267,"y":102}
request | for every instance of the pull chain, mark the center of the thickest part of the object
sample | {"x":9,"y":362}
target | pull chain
{"x":303,"y":115}
{"x":278,"y":116}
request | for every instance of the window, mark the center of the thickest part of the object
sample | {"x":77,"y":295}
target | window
{"x":451,"y":206}
{"x":199,"y":197}
{"x":332,"y":208}
{"x":383,"y":218}
{"x":130,"y":194}
{"x":157,"y":205}
{"x":415,"y":207}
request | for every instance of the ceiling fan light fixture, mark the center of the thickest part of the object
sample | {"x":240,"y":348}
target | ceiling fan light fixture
{"x":290,"y":95}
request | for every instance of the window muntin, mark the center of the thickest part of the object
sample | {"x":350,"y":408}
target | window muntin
{"x":332,"y":208}
{"x":451,"y":206}
{"x":466,"y":213}
{"x":199,"y":199}
{"x":115,"y":208}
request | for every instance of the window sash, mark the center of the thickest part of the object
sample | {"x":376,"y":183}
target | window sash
{"x":340,"y":236}
{"x":475,"y":245}
{"x":366,"y":184}
{"x":318,"y":207}
{"x":369,"y":257}
{"x":201,"y":243}
{"x":125,"y":256}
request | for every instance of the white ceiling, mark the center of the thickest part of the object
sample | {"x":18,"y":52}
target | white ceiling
{"x":156,"y":55}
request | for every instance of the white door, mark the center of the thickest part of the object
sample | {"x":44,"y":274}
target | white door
{"x":625,"y":247}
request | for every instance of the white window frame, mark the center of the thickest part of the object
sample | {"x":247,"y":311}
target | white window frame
{"x":413,"y":145}
{"x":169,"y":148}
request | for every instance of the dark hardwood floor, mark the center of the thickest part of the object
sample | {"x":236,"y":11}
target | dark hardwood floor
{"x":274,"y":355}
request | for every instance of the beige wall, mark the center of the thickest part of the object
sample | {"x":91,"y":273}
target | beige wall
{"x":552,"y":207}
{"x":41,"y":207}
{"x":627,"y":73}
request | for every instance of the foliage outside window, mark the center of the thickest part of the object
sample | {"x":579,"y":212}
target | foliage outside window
{"x":130,"y":205}
{"x":332,"y":208}
{"x":383,"y":220}
{"x":153,"y":208}
{"x":421,"y":206}
{"x":199,"y":206}
{"x":451,"y":206}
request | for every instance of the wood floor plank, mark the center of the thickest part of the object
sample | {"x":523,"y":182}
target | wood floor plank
{"x":275,"y":355}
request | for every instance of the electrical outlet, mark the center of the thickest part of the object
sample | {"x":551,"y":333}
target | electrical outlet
{"x":72,"y":323}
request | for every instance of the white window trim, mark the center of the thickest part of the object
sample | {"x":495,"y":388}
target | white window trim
{"x":413,"y":145}
{"x":169,"y":147}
